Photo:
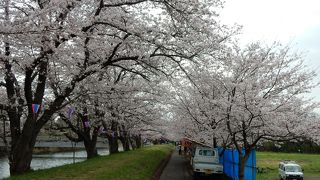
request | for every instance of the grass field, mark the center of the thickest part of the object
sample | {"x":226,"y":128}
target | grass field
{"x":310,"y":163}
{"x":134,"y":165}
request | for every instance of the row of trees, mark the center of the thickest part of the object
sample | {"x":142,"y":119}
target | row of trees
{"x":132,"y":67}
{"x":100,"y":57}
{"x":247,"y":97}
{"x":109,"y":107}
{"x":305,"y":146}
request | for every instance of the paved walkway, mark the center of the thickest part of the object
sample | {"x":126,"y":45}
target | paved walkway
{"x":176,"y":169}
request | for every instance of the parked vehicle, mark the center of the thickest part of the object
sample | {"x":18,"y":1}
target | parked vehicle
{"x":205,"y":161}
{"x":290,"y":170}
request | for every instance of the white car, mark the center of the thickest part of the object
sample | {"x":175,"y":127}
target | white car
{"x":205,"y":161}
{"x":290,"y":170}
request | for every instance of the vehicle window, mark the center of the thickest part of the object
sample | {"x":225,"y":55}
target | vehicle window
{"x":281,"y":167}
{"x":206,"y":152}
{"x":293,"y":169}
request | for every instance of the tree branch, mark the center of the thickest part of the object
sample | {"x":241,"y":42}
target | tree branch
{"x":3,"y":107}
{"x":3,"y":84}
{"x":124,"y":3}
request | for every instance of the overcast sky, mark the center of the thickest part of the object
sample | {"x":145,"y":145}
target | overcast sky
{"x":293,"y":22}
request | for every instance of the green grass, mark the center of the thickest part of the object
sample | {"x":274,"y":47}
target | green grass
{"x":139,"y":164}
{"x":270,"y":160}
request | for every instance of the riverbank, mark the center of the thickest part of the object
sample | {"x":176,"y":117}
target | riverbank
{"x":45,"y":150}
{"x":138,"y":164}
{"x":50,"y":160}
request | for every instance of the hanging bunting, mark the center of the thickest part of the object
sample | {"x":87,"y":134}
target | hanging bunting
{"x":35,"y":108}
{"x":101,"y":130}
{"x":70,"y":112}
{"x":87,"y":124}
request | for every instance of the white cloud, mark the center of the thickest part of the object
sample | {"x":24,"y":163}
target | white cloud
{"x":272,"y":20}
{"x":289,"y":21}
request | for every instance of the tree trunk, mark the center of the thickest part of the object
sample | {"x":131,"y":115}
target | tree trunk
{"x":138,"y":141}
{"x":89,"y":141}
{"x":125,"y":140}
{"x":242,"y":163}
{"x":113,"y":144}
{"x":20,"y":160}
{"x":125,"y":143}
{"x":126,"y":146}
{"x":113,"y":138}
{"x":133,"y":144}
{"x":214,"y":142}
{"x":4,"y":136}
{"x":21,"y":154}
{"x":90,"y":149}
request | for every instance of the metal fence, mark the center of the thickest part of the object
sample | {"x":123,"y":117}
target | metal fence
{"x":230,"y":160}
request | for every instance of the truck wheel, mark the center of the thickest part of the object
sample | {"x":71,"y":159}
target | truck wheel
{"x":195,"y":175}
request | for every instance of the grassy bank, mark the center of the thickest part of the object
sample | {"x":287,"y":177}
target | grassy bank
{"x":269,"y":160}
{"x":139,"y":164}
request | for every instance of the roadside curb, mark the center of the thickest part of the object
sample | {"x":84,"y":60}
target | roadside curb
{"x":161,"y":166}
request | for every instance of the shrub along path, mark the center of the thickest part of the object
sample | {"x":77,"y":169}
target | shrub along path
{"x":138,"y":164}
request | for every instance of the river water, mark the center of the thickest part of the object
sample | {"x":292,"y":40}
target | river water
{"x":45,"y":161}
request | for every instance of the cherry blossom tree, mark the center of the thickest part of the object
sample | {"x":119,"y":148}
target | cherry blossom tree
{"x":264,"y":97}
{"x":132,"y":107}
{"x":251,"y":95}
{"x":60,"y":43}
{"x":129,"y":108}
{"x":84,"y":119}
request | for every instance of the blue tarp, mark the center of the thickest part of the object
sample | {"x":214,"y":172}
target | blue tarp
{"x":230,"y":160}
